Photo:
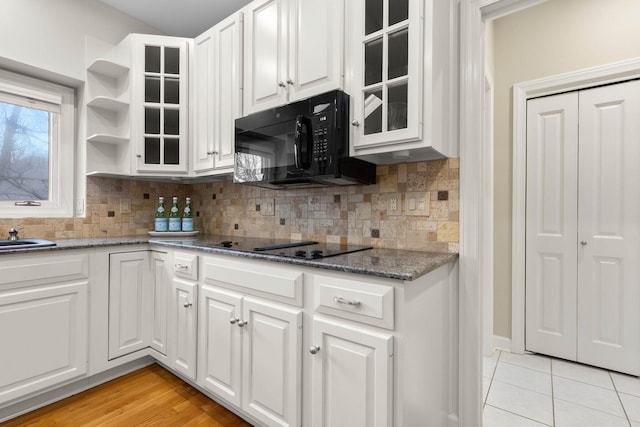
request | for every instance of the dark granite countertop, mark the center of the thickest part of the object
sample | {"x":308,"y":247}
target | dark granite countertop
{"x":388,"y":263}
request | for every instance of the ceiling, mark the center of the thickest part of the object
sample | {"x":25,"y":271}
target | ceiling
{"x":181,"y":18}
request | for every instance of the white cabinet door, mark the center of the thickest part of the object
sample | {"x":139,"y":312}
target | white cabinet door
{"x":203,"y":102}
{"x":352,"y":376}
{"x":316,"y":47}
{"x":265,"y":55}
{"x":228,"y":87}
{"x":182,"y":318}
{"x":271,"y":362}
{"x":220,"y":343}
{"x":129,"y":302}
{"x":386,"y":54}
{"x":159,"y":104}
{"x":294,"y":49}
{"x":551,"y":257}
{"x":43,"y":336}
{"x":583,"y":242}
{"x":218,"y":95}
{"x":608,"y":231}
{"x":161,"y":285}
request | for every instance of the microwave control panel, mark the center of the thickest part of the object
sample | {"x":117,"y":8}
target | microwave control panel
{"x":320,"y":146}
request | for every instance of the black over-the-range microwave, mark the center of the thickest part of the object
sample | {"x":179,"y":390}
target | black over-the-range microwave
{"x":302,"y":144}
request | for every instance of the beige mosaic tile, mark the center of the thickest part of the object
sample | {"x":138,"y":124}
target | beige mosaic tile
{"x":332,"y":214}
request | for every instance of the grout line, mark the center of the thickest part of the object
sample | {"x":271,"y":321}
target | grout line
{"x":520,"y":415}
{"x":619,"y":398}
{"x":484,"y":402}
{"x":553,"y":400}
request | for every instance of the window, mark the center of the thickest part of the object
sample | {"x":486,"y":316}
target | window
{"x":37,"y":148}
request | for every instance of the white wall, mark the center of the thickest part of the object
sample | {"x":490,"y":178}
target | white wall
{"x":46,"y":38}
{"x":554,"y":37}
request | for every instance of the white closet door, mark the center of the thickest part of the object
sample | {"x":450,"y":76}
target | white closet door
{"x":551,"y":277}
{"x":609,"y":230}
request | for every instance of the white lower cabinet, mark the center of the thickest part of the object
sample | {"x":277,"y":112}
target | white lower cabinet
{"x":43,"y":322}
{"x":130,"y":305}
{"x":352,"y":375}
{"x":249,"y":354}
{"x":220,"y":343}
{"x":183,"y":316}
{"x":160,"y":279}
{"x":138,"y":291}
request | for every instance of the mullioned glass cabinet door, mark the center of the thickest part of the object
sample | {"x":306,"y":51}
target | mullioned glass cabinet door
{"x":386,"y":92}
{"x":163,"y":122}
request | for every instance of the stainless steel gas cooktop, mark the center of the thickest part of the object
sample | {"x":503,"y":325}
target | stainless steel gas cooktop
{"x":308,"y":249}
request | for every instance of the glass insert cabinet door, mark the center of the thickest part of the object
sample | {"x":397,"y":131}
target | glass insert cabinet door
{"x":162,"y":127}
{"x":386,"y":95}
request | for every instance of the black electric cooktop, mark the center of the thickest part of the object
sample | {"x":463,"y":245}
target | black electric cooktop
{"x":308,"y":249}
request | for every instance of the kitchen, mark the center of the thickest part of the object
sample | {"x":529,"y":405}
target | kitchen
{"x":104,"y":195}
{"x":114,"y":207}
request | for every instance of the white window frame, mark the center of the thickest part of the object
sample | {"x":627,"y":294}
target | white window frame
{"x":62,"y":144}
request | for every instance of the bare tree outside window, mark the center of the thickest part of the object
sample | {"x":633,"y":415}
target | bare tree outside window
{"x":24,"y":153}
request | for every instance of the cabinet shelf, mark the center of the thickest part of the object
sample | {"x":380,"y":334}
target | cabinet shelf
{"x":108,"y":68}
{"x":106,"y":138}
{"x":108,"y":103}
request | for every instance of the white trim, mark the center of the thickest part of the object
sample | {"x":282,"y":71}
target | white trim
{"x":470,"y":323}
{"x":60,"y":102}
{"x":474,"y":203}
{"x":589,"y":77}
{"x":501,"y":343}
{"x":486,"y":256}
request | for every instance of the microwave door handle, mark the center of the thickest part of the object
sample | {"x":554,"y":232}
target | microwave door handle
{"x":300,"y":152}
{"x":296,"y":142}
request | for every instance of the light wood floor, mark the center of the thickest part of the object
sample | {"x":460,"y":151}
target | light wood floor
{"x":148,"y":397}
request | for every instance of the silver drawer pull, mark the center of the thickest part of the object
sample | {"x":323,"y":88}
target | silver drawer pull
{"x":182,"y":266}
{"x":350,"y":302}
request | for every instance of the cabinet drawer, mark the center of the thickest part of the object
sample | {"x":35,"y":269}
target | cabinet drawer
{"x":355,"y":300}
{"x":255,"y":278}
{"x":49,"y":268}
{"x":186,"y":265}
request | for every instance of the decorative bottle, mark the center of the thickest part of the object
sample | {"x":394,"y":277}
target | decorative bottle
{"x":187,"y":216}
{"x":174,"y":216}
{"x":161,"y":216}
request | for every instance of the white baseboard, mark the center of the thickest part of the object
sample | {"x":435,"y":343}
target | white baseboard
{"x":453,"y":420}
{"x":501,"y":343}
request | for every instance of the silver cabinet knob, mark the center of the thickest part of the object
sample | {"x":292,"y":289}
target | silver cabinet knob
{"x":233,"y":321}
{"x":314,"y":349}
{"x":211,"y":153}
{"x":242,"y":323}
{"x":355,"y":123}
{"x":281,"y":84}
{"x":187,"y":304}
{"x":289,"y":82}
{"x":139,"y":156}
{"x":583,"y":243}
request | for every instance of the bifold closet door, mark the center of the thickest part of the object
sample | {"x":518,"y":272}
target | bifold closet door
{"x":551,"y":225}
{"x":583,"y":226}
{"x":609,"y":227}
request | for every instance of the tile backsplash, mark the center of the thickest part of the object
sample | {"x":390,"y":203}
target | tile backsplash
{"x":412,"y":206}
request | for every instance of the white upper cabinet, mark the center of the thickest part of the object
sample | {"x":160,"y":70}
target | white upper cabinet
{"x":217,"y":96}
{"x":293,"y":50}
{"x":402,"y":81}
{"x":159,"y":104}
{"x":137,"y":112}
